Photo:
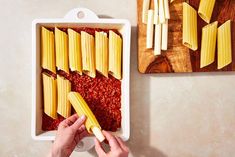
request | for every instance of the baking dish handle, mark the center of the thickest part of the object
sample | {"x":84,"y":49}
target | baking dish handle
{"x":81,"y":14}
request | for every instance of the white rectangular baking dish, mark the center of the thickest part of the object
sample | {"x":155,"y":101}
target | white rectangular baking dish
{"x":79,"y":17}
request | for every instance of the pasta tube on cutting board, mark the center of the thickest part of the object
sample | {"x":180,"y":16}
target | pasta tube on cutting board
{"x":75,"y":54}
{"x":161,"y":11}
{"x":164,"y":35}
{"x":115,"y":55}
{"x":149,"y":41}
{"x":224,"y":45}
{"x":189,"y":27}
{"x":208,"y":43}
{"x":157,"y":39}
{"x":61,"y":45}
{"x":101,"y":52}
{"x":156,"y":12}
{"x":205,"y":9}
{"x":48,"y":49}
{"x":166,"y":9}
{"x":49,"y":95}
{"x":88,"y":54}
{"x":63,"y":88}
{"x":158,"y":30}
{"x":82,"y":108}
{"x":146,"y":4}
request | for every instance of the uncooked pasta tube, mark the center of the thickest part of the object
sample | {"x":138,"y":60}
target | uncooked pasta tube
{"x":48,"y":49}
{"x":209,"y":33}
{"x":224,"y":45}
{"x":61,"y":45}
{"x":205,"y":9}
{"x":189,"y":27}
{"x":88,"y":54}
{"x":63,"y":88}
{"x":149,"y":40}
{"x":75,"y":54}
{"x":101,"y":52}
{"x":115,"y":55}
{"x":49,"y":95}
{"x":82,"y":108}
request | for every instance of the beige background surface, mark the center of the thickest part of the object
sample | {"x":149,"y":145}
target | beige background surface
{"x":183,"y":115}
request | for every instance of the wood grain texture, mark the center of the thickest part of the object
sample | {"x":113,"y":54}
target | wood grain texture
{"x":179,"y":58}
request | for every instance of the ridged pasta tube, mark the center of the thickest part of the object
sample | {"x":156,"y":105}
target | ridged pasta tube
{"x":189,"y":27}
{"x":49,"y":95}
{"x":101,"y":53}
{"x":61,"y":45}
{"x":88,"y":54}
{"x":75,"y":54}
{"x":82,"y":108}
{"x":224,"y":44}
{"x":63,"y":88}
{"x":115,"y":55}
{"x":205,"y":9}
{"x":209,"y":34}
{"x":48,"y":49}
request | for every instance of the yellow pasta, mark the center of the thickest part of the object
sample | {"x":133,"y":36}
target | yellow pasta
{"x":205,"y":9}
{"x":49,"y":95}
{"x":115,"y":55}
{"x":48,"y":50}
{"x":101,"y":52}
{"x":189,"y":27}
{"x":88,"y":54}
{"x":224,"y":45}
{"x":75,"y":54}
{"x":61,"y":45}
{"x":81,"y":107}
{"x":63,"y":88}
{"x":208,"y":44}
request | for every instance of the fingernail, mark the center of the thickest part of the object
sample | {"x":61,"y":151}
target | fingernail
{"x":83,"y":117}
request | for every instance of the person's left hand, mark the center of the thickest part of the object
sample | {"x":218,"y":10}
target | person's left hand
{"x":70,"y":132}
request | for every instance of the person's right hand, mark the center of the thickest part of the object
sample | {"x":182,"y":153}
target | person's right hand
{"x":117,"y":147}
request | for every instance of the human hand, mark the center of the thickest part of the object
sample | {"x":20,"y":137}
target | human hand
{"x":117,"y":147}
{"x":70,"y":132}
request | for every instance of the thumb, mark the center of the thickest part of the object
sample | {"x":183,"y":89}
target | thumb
{"x":98,"y":148}
{"x":78,"y":123}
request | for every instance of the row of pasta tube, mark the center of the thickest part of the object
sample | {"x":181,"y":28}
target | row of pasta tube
{"x":55,"y":91}
{"x":82,"y":52}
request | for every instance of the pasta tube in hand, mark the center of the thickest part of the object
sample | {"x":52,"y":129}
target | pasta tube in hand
{"x":82,"y":108}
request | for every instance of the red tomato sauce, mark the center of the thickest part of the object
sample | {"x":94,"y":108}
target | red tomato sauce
{"x":103,"y":96}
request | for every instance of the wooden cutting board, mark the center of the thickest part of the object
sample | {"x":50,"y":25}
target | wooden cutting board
{"x":178,"y":58}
